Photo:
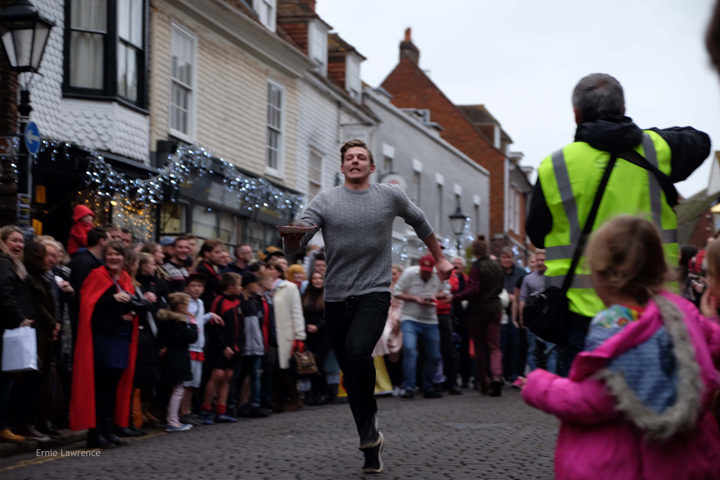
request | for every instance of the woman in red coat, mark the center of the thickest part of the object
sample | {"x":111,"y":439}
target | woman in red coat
{"x":104,"y":363}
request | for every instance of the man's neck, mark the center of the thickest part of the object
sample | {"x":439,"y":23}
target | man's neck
{"x":510,"y":269}
{"x":246,"y":295}
{"x":177,"y":262}
{"x":241,"y":263}
{"x":96,"y":251}
{"x":361,"y":185}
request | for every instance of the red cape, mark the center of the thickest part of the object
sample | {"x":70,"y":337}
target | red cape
{"x":82,"y":404}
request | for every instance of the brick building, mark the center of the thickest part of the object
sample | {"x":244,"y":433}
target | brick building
{"x":472,"y":130}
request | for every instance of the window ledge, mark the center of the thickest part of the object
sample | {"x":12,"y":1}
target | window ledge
{"x":103,"y":98}
{"x":274,"y":173}
{"x":182,"y":136}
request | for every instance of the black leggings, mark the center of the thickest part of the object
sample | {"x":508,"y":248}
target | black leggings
{"x":106,"y":384}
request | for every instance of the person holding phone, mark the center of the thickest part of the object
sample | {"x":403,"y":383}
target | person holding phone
{"x":418,"y":288}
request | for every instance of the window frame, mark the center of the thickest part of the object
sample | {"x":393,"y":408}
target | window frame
{"x":110,"y":90}
{"x":191,"y":135}
{"x":279,"y":169}
{"x":353,"y":83}
{"x":257,"y":6}
{"x":312,"y":182}
{"x":315,"y":29}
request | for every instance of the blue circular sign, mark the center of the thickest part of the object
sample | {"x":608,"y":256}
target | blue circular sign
{"x":32,"y":138}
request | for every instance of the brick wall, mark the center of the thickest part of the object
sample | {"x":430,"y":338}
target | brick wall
{"x":336,"y":70}
{"x":703,"y":230}
{"x":411,"y":88}
{"x":298,"y":31}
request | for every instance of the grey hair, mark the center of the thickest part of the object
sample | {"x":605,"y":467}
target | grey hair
{"x":598,"y":95}
{"x":461,"y":259}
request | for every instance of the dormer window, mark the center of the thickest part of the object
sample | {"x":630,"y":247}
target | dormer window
{"x":317,"y":45}
{"x":352,"y":76}
{"x":267,"y":12}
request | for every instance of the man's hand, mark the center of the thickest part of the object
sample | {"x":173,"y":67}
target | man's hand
{"x":312,"y":328}
{"x":128,"y":317}
{"x":26,"y":323}
{"x":217,"y":319}
{"x":421,"y":300}
{"x":228,"y":352}
{"x":293,"y":240}
{"x":444,"y":269}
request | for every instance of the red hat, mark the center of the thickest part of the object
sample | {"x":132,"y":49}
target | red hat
{"x":427,"y":263}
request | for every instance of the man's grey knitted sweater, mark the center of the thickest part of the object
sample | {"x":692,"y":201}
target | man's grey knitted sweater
{"x":357,"y":229}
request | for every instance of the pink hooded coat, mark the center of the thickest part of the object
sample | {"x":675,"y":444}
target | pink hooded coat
{"x":605,"y":428}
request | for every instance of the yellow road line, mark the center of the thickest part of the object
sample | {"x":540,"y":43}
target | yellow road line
{"x":39,"y":460}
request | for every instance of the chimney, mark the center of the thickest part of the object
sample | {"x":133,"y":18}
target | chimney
{"x":408,"y":49}
{"x":309,"y":3}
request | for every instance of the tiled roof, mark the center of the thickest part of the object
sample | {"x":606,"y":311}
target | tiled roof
{"x":247,"y":10}
{"x":478,"y":114}
{"x":337,"y":45}
{"x":294,"y":8}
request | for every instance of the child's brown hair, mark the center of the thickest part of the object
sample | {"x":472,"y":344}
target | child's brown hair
{"x":177,"y":299}
{"x":712,"y":258}
{"x":627,"y":257}
{"x":228,"y":280}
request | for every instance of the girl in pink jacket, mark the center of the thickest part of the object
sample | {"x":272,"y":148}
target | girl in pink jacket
{"x":636,"y":404}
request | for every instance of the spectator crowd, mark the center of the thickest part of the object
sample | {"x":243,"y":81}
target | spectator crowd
{"x":178,"y":334}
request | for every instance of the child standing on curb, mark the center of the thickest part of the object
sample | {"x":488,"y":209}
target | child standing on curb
{"x":636,"y":404}
{"x":176,"y":335}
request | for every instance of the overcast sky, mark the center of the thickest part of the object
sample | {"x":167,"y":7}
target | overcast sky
{"x":522,"y":58}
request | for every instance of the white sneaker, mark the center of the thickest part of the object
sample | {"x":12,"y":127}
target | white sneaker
{"x":396,"y":392}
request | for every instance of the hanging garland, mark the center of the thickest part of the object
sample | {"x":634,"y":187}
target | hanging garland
{"x":183,"y":166}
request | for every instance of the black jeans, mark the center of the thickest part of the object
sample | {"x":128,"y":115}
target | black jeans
{"x":106,"y":383}
{"x":447,"y":350}
{"x":355,"y":326}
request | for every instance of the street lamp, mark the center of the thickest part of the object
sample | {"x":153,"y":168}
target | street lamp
{"x":457,"y":221}
{"x":25,"y":33}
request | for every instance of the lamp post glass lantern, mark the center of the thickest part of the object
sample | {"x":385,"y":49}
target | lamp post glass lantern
{"x":24,"y":32}
{"x":457,"y":221}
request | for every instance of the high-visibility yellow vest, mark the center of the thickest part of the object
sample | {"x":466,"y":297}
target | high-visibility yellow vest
{"x":570,"y":178}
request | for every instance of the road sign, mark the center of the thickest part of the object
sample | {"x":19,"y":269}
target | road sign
{"x":7,"y":146}
{"x":32,"y":138}
{"x":23,"y":210}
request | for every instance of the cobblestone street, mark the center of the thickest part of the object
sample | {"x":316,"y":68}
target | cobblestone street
{"x":453,"y":437}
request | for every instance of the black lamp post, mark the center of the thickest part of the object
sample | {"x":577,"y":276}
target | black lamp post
{"x":457,"y":220}
{"x":25,"y":33}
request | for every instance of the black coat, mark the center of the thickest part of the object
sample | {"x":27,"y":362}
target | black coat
{"x":176,"y":334}
{"x":146,"y":363}
{"x":44,"y":322}
{"x":16,"y":302}
{"x":80,"y":267}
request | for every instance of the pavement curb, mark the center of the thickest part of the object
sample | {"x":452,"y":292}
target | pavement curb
{"x":67,"y":437}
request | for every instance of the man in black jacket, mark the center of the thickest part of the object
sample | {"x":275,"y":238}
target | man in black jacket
{"x":80,"y":267}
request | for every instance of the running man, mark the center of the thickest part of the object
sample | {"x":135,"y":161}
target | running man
{"x":356,"y":220}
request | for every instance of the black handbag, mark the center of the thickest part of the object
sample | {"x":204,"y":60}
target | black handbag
{"x":546,"y":313}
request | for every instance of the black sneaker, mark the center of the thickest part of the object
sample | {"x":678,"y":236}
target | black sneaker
{"x":455,"y":391}
{"x":116,"y":440}
{"x":408,"y":394}
{"x":432,"y":394}
{"x":370,"y":436}
{"x":373,"y":457}
{"x":257,"y":412}
{"x":98,"y":441}
{"x":496,"y":388}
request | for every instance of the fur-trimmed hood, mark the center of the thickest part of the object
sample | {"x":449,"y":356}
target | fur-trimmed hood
{"x":168,"y":315}
{"x":656,"y":382}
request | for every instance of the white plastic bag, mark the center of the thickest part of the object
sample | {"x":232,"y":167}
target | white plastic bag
{"x":19,"y":352}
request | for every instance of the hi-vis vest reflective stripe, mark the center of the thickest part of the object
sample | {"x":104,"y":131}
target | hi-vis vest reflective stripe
{"x":570,"y":178}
